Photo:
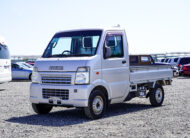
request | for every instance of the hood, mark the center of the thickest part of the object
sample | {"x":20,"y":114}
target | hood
{"x":61,"y":64}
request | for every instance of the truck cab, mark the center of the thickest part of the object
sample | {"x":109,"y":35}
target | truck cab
{"x":90,"y":69}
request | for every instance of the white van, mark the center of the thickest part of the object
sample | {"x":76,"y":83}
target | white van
{"x":5,"y":62}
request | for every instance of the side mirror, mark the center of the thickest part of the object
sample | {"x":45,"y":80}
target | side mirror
{"x":107,"y":52}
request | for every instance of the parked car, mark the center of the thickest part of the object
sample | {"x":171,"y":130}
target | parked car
{"x":162,"y":60}
{"x":21,"y":70}
{"x":186,"y":69}
{"x":177,"y":62}
{"x":173,"y":61}
{"x":181,"y":62}
{"x":169,"y":60}
{"x":166,"y":60}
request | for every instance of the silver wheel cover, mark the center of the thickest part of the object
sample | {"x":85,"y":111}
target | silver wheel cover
{"x":97,"y":105}
{"x":159,"y":95}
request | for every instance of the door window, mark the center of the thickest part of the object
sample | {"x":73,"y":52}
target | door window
{"x":114,"y":44}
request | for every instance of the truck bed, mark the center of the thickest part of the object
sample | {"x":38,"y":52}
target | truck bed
{"x":149,"y":73}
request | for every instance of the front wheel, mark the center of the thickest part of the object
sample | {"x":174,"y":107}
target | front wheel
{"x":157,"y":95}
{"x":41,"y":108}
{"x":96,"y":105}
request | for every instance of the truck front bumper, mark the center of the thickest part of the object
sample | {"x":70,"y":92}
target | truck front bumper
{"x":77,"y":97}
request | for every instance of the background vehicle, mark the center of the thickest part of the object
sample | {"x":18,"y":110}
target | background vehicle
{"x":5,"y":62}
{"x":186,"y":69}
{"x":21,"y":70}
{"x":173,"y":61}
{"x":31,"y":62}
{"x":90,"y":69}
{"x":25,"y":64}
{"x":162,"y":60}
{"x":166,"y":60}
{"x":181,"y":62}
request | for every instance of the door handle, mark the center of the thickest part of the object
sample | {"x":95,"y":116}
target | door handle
{"x":124,"y":61}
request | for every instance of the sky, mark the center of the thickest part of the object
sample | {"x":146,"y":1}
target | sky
{"x":152,"y":26}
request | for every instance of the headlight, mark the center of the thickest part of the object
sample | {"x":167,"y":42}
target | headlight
{"x":82,"y":75}
{"x":35,"y":75}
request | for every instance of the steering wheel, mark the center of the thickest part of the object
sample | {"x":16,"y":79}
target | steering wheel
{"x":67,"y":52}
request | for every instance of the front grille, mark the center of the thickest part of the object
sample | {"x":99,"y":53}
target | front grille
{"x":56,"y":79}
{"x":63,"y":94}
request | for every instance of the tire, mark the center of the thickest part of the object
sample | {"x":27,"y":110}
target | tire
{"x":156,"y":95}
{"x":30,"y":77}
{"x":96,"y":105}
{"x":41,"y":108}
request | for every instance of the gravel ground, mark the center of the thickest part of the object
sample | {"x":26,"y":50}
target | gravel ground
{"x":131,"y":119}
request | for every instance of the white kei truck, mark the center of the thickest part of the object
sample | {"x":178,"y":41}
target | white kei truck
{"x":90,"y":69}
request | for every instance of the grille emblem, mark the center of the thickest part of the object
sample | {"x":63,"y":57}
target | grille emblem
{"x":55,"y":67}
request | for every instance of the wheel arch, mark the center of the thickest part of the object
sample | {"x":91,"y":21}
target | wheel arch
{"x":104,"y":90}
{"x":160,"y":82}
{"x":100,"y":87}
{"x":30,"y":76}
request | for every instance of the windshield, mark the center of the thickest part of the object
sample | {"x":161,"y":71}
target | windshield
{"x":25,"y":65}
{"x":78,"y":43}
{"x":4,"y":52}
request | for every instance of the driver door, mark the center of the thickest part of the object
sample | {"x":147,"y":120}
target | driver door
{"x":115,"y":69}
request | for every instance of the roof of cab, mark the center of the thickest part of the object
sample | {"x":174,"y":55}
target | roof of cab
{"x":114,"y":28}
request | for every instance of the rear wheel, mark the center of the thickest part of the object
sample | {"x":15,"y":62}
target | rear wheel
{"x":41,"y":108}
{"x":156,"y":95}
{"x":96,"y":106}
